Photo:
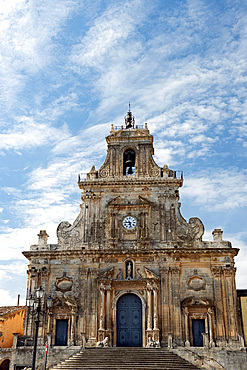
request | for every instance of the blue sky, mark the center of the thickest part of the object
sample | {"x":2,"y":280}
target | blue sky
{"x":68,"y":71}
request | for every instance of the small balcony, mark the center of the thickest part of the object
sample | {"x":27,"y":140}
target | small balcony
{"x":168,"y":175}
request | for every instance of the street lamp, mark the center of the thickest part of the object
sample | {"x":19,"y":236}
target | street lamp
{"x":35,"y":302}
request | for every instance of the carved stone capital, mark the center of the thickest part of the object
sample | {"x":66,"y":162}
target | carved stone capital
{"x":228,"y":271}
{"x":176,"y":270}
{"x":216,"y":271}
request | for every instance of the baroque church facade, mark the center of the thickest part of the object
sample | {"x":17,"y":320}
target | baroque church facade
{"x":130,"y":268}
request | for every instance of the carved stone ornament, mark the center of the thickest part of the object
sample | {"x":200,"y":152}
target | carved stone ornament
{"x":104,"y":170}
{"x":193,"y":301}
{"x":151,"y":274}
{"x":107,"y":273}
{"x":120,"y":274}
{"x":70,"y":235}
{"x":191,"y":231}
{"x":64,"y":284}
{"x":66,"y":304}
{"x":196,"y":283}
{"x":196,"y":228}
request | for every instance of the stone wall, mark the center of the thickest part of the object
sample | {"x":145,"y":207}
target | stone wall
{"x":214,"y":358}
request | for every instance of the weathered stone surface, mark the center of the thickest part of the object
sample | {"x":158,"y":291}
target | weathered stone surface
{"x":155,"y":255}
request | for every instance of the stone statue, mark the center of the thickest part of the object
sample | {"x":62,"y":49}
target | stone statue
{"x":152,"y":343}
{"x":129,"y":271}
{"x":103,"y":343}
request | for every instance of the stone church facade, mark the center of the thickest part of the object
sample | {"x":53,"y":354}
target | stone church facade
{"x":130,"y":267}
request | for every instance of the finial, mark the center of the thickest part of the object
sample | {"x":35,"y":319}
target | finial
{"x":129,"y":119}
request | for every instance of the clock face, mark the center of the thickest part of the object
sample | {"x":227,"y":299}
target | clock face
{"x":129,"y":222}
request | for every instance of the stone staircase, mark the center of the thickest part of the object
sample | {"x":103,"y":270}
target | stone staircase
{"x":125,"y":358}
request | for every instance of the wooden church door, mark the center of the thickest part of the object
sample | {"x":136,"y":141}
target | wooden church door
{"x":129,"y":321}
{"x":198,"y":327}
{"x":61,"y":333}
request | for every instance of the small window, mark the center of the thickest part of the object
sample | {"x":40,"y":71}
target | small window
{"x":129,"y":167}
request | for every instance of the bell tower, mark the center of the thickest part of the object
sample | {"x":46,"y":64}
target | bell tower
{"x":130,"y":202}
{"x":130,"y":152}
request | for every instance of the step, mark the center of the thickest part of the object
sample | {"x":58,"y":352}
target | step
{"x":125,"y":358}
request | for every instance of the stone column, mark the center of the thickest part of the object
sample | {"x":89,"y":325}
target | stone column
{"x":108,"y":307}
{"x":149,"y":308}
{"x":102,"y":307}
{"x":205,"y":340}
{"x":210,"y":324}
{"x":162,"y":220}
{"x":141,"y":226}
{"x":116,"y":226}
{"x":155,"y":305}
{"x":224,"y":304}
{"x":49,"y":339}
{"x":85,"y":234}
{"x":112,"y":224}
{"x":186,"y":323}
{"x":220,"y":327}
{"x":92,"y":302}
{"x":72,"y":329}
{"x":15,"y":339}
{"x":164,"y":292}
{"x":228,"y":274}
{"x":146,"y":225}
{"x":175,"y":302}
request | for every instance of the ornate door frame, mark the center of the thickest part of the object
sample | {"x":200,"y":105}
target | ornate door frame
{"x":198,"y":308}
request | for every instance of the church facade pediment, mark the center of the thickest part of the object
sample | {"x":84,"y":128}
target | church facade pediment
{"x":127,"y":201}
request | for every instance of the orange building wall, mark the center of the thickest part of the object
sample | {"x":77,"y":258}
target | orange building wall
{"x":9,"y":324}
{"x":243,"y":301}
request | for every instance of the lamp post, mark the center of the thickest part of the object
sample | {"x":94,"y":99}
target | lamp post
{"x":35,"y":302}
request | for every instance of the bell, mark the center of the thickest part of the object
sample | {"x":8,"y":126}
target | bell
{"x":130,"y":171}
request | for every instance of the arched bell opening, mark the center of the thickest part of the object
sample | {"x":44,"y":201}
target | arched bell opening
{"x":129,"y":165}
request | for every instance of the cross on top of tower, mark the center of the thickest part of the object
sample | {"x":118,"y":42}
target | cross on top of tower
{"x":129,"y":119}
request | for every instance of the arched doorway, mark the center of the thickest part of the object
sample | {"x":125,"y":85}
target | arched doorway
{"x":5,"y":365}
{"x":129,"y":321}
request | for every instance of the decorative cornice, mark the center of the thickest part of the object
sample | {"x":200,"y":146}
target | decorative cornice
{"x":131,"y":180}
{"x":109,"y":253}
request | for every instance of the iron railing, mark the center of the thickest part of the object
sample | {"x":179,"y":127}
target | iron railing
{"x":140,"y":127}
{"x":174,"y":174}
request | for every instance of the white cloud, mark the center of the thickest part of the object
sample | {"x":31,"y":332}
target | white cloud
{"x":16,"y":267}
{"x":7,"y":300}
{"x":14,"y":241}
{"x":238,"y":240}
{"x":110,"y":30}
{"x":183,"y":91}
{"x":217,"y":189}
{"x":27,"y":43}
{"x":28,"y":134}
